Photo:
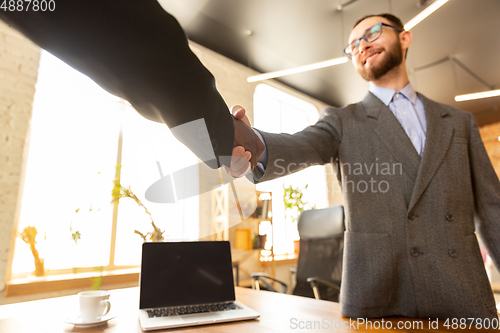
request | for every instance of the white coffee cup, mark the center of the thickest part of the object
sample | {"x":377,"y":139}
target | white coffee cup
{"x":93,"y":305}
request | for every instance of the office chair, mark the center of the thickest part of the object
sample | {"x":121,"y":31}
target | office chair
{"x":319,"y":266}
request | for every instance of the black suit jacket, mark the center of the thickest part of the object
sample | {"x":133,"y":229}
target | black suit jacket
{"x":139,"y":52}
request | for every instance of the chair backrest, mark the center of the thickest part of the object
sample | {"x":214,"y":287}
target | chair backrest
{"x":322,"y":223}
{"x":321,"y":234}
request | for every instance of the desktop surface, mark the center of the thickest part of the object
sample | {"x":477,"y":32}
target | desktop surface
{"x":279,"y":313}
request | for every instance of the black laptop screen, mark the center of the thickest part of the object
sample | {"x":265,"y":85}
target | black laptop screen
{"x":185,"y":273}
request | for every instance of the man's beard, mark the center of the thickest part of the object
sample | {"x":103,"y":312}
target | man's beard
{"x":394,"y":57}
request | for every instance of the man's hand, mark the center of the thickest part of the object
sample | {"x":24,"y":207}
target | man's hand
{"x":240,"y":164}
{"x":244,"y":137}
{"x":239,"y":113}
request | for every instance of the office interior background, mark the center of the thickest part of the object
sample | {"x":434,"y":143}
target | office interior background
{"x":61,"y":136}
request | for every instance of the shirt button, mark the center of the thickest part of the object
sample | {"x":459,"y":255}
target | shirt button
{"x":414,"y":252}
{"x":450,"y":218}
{"x":452,"y":253}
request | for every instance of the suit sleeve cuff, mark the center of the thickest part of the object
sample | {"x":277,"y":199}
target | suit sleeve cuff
{"x":262,"y":160}
{"x":260,"y":169}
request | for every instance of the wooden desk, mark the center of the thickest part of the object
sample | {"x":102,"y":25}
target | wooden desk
{"x":279,"y":313}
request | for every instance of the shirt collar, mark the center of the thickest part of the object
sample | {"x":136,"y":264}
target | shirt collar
{"x":386,"y":94}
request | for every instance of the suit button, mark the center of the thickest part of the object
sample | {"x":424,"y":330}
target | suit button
{"x":411,"y":217}
{"x":452,"y":253}
{"x":414,"y":252}
{"x":450,"y":218}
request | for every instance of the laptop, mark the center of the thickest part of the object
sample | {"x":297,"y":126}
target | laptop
{"x":187,"y":284}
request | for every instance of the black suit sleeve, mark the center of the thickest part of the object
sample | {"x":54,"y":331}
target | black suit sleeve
{"x":139,"y":52}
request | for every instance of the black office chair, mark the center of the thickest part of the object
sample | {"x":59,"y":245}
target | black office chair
{"x":319,"y":267}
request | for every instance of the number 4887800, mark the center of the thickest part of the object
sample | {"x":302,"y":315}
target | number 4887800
{"x":28,"y":5}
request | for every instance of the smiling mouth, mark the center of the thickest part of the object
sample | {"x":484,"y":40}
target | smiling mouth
{"x":370,"y":58}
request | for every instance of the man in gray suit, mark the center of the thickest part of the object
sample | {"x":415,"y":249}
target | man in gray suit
{"x":424,"y":187}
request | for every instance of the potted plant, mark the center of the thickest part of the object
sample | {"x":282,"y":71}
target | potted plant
{"x":294,"y":204}
{"x":120,"y":192}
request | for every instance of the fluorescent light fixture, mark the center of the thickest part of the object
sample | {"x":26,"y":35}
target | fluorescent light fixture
{"x":423,"y":14}
{"x":484,"y":94}
{"x":332,"y":62}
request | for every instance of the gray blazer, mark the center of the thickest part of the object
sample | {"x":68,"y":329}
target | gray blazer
{"x":410,"y":243}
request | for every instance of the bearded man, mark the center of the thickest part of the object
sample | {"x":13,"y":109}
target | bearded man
{"x":410,"y":248}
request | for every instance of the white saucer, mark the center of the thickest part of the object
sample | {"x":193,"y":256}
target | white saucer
{"x":77,"y":320}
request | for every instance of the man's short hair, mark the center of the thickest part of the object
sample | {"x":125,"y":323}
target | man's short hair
{"x":395,"y":21}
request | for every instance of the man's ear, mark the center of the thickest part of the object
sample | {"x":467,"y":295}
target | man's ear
{"x":406,"y":37}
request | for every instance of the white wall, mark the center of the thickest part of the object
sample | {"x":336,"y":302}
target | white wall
{"x":18,"y":73}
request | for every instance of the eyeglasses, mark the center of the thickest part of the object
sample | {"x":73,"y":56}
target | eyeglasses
{"x":370,"y":35}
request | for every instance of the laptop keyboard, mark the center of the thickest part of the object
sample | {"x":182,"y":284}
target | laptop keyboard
{"x":191,"y":309}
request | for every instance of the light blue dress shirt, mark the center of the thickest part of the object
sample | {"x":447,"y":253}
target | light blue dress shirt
{"x":408,"y":110}
{"x":406,"y":107}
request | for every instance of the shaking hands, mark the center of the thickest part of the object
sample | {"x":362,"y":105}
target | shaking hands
{"x":247,"y":145}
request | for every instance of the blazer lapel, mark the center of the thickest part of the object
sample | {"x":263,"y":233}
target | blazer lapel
{"x":437,"y":142}
{"x":392,"y":134}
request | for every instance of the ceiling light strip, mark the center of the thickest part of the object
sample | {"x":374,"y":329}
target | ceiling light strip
{"x":423,"y":14}
{"x":413,"y":22}
{"x":266,"y":76}
{"x":484,"y":94}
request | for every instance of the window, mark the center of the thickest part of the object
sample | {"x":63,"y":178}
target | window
{"x":74,"y":148}
{"x":278,"y":112}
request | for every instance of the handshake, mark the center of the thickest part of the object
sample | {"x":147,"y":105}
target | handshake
{"x":247,"y":145}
